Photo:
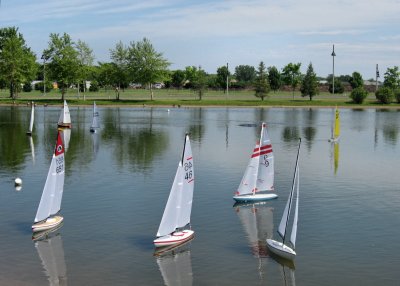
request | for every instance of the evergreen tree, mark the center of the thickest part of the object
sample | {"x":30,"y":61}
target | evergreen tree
{"x":309,"y":85}
{"x":261,"y":84}
{"x":274,"y":78}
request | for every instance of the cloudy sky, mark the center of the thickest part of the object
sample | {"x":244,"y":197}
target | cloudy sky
{"x":210,"y":33}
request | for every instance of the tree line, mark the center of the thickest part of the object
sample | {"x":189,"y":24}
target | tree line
{"x":71,"y":64}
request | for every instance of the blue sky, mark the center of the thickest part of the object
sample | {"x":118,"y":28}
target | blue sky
{"x":212,"y":33}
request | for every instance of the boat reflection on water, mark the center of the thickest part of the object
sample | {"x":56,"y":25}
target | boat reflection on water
{"x":50,"y":249}
{"x":95,"y":140}
{"x":287,"y":269}
{"x":65,"y":136}
{"x":175,"y":264}
{"x":257,"y":221}
{"x":32,"y":146}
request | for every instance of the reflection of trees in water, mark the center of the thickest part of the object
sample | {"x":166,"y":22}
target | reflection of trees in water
{"x":14,"y":143}
{"x":196,"y":128}
{"x":309,"y":132}
{"x":138,"y":146}
{"x":291,"y":130}
{"x":388,"y":124}
{"x":359,"y":119}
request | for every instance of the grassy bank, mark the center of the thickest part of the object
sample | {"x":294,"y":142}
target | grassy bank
{"x":171,"y":97}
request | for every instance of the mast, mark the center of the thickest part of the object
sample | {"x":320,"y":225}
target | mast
{"x":291,"y":193}
{"x":184,"y":146}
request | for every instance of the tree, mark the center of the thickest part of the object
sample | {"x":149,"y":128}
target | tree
{"x":392,"y":78}
{"x":261,"y":84}
{"x":291,"y":75}
{"x":63,"y":63}
{"x":274,"y":78}
{"x":146,"y":64}
{"x":245,"y":75}
{"x":200,"y":82}
{"x":309,"y":85}
{"x":190,"y":76}
{"x":384,"y":95}
{"x":17,"y":61}
{"x":222,"y":76}
{"x":356,"y":80}
{"x":178,"y":78}
{"x":86,"y":58}
{"x":339,"y":89}
{"x":120,"y":65}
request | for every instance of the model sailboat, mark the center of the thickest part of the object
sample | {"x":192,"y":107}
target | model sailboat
{"x":335,"y":127}
{"x":259,"y":175}
{"x":176,"y":217}
{"x":280,"y":248}
{"x":95,"y":120}
{"x":29,"y":132}
{"x":65,"y":118}
{"x":50,"y":202}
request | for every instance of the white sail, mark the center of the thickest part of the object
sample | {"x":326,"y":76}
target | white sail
{"x":296,"y":212}
{"x":248,"y":183}
{"x":65,"y":117}
{"x":32,"y":118}
{"x":95,"y":120}
{"x":265,"y":178}
{"x":285,"y":216}
{"x":52,"y":255}
{"x":179,"y":205}
{"x":50,"y":202}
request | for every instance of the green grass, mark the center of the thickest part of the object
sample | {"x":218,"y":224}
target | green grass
{"x":171,"y":97}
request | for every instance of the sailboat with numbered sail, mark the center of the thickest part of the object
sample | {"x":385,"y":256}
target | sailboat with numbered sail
{"x":258,"y":179}
{"x":175,"y":223}
{"x":50,"y":203}
{"x":280,"y":248}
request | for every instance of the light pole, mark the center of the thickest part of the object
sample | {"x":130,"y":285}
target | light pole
{"x":227,"y":79}
{"x":333,"y":70}
{"x":376,"y":77}
{"x":44,"y":74}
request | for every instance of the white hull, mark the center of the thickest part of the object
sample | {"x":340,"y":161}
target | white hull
{"x":49,"y":223}
{"x":255,"y":198}
{"x":174,"y":238}
{"x":92,"y":129}
{"x":280,"y":249}
{"x":334,"y":140}
{"x":64,"y":125}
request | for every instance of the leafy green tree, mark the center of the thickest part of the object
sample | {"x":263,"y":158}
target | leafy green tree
{"x":274,"y":77}
{"x":291,"y":75}
{"x":120,"y":67}
{"x":356,"y":80}
{"x":222,"y":75}
{"x":146,"y":64}
{"x":384,"y":95}
{"x":245,"y":75}
{"x":397,"y":94}
{"x":178,"y":78}
{"x":392,"y":77}
{"x":63,"y":63}
{"x":17,"y":61}
{"x":309,"y":85}
{"x":190,"y":75}
{"x":358,"y":95}
{"x":261,"y":83}
{"x":86,"y":58}
{"x":339,"y":89}
{"x":200,"y":82}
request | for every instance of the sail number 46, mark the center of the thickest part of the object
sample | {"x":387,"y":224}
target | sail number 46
{"x":188,"y":169}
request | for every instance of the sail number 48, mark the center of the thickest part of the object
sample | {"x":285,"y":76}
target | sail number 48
{"x":188,"y":169}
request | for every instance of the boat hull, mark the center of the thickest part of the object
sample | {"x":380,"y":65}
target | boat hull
{"x":280,"y":249}
{"x":255,"y":198}
{"x":93,"y":130}
{"x":49,"y":223}
{"x":174,"y":238}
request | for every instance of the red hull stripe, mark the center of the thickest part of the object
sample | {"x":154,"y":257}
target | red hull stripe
{"x":178,"y":240}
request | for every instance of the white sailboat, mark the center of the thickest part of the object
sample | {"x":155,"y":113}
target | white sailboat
{"x":65,"y":118}
{"x":259,"y":174}
{"x":335,"y":130}
{"x":173,"y":227}
{"x":95,"y":120}
{"x":29,"y":132}
{"x":280,"y":248}
{"x":50,"y":202}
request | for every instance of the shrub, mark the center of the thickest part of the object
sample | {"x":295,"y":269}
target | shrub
{"x":94,"y":86}
{"x":358,"y":95}
{"x":27,"y":87}
{"x":397,"y":95}
{"x":384,"y":95}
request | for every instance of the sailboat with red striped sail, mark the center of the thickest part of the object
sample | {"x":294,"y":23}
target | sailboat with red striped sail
{"x":258,"y":180}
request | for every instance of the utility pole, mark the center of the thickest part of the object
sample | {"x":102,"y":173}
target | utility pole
{"x":333,"y":70}
{"x":227,"y":80}
{"x":44,"y":74}
{"x":376,"y":77}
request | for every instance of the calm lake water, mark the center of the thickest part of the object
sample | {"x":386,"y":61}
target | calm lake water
{"x":118,"y":181}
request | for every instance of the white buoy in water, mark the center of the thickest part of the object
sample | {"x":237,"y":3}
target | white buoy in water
{"x":18,"y":182}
